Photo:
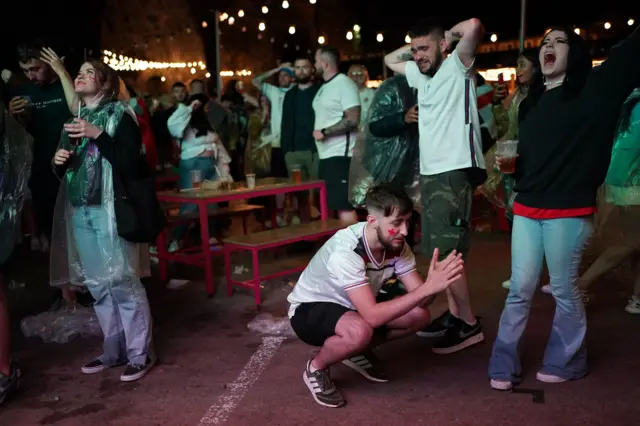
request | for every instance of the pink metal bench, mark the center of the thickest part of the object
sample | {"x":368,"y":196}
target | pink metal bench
{"x":270,"y":239}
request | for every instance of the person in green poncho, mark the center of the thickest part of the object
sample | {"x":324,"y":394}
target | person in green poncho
{"x":622,"y":192}
{"x":99,"y":152}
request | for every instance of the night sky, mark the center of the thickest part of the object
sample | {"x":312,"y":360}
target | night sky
{"x":77,"y":22}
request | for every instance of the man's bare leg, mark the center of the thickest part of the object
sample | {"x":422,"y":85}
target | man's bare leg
{"x":352,"y":336}
{"x":410,"y":323}
{"x":608,"y":260}
{"x":459,"y":301}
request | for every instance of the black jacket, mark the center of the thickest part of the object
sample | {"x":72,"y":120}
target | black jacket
{"x":289,"y":125}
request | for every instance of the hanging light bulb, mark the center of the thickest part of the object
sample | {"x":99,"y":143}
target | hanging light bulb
{"x":494,"y":38}
{"x":607,"y":25}
{"x":292,"y":30}
{"x":262,"y":26}
{"x":356,"y":28}
{"x":312,"y":1}
{"x":208,"y":75}
{"x":380,"y":38}
{"x":232,"y":20}
{"x":285,"y":4}
{"x":630,"y":22}
{"x":407,"y":39}
{"x":193,"y":70}
{"x":321,"y":40}
{"x":204,"y":24}
{"x":349,"y":35}
{"x":224,"y":16}
{"x":240,"y":13}
{"x":265,"y":9}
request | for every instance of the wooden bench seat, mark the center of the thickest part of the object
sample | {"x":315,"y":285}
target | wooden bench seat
{"x":270,"y":239}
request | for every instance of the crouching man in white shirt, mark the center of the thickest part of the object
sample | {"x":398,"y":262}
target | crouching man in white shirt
{"x":334,"y":306}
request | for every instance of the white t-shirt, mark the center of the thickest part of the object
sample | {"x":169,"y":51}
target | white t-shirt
{"x":448,"y":123}
{"x":276,"y":97}
{"x":334,"y":97}
{"x":345,"y":263}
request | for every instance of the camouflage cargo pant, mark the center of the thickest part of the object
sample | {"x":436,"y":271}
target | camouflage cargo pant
{"x":446,"y":212}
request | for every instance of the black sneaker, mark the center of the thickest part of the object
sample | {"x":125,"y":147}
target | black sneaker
{"x":96,"y":366}
{"x":9,"y":384}
{"x":136,"y":372}
{"x":368,"y":365}
{"x":322,"y":388}
{"x":439,"y":326}
{"x":459,"y":337}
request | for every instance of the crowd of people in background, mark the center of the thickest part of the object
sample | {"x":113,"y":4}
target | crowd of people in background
{"x":92,"y":133}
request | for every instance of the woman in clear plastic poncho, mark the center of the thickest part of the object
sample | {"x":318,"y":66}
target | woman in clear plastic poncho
{"x":387,"y":150}
{"x":15,"y":168}
{"x":100,"y":149}
{"x":620,"y":216}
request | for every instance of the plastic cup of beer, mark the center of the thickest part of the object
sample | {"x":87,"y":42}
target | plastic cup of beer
{"x":296,"y":174}
{"x":251,"y":181}
{"x":507,"y":151}
{"x":196,"y":178}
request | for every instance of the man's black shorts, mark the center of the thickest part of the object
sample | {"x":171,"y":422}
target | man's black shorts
{"x":316,"y":322}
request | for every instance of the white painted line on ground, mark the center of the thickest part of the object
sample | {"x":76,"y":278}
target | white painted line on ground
{"x":220,"y":411}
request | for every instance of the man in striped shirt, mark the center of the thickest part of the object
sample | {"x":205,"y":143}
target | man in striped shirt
{"x":334,"y":306}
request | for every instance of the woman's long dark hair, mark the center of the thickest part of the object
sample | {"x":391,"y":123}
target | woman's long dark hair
{"x":199,"y":120}
{"x":579,"y":67}
{"x":531,"y":55}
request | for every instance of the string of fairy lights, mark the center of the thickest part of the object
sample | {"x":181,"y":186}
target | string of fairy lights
{"x":121,"y":62}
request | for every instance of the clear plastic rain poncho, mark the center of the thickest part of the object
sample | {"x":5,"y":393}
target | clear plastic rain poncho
{"x":392,"y":159}
{"x":111,"y":258}
{"x":618,"y":220}
{"x":15,"y":168}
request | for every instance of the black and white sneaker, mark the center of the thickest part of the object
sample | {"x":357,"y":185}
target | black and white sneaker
{"x":9,"y":384}
{"x":459,"y":337}
{"x":368,"y":365}
{"x":93,"y":367}
{"x":439,"y":326}
{"x":134,"y":372}
{"x":96,"y":366}
{"x":322,"y":388}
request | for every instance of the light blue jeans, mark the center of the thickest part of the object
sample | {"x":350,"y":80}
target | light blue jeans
{"x":561,"y":242}
{"x":121,"y":303}
{"x":205,"y":165}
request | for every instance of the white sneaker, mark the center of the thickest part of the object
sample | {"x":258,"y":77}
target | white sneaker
{"x":546,"y":289}
{"x":501,"y":385}
{"x":549,"y":378}
{"x":507,"y":284}
{"x":633,"y":306}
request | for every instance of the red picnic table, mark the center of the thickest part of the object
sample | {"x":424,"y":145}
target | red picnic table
{"x":204,"y":197}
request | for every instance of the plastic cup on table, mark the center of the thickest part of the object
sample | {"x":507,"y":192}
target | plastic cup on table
{"x":251,"y":181}
{"x":296,"y":174}
{"x":196,"y":178}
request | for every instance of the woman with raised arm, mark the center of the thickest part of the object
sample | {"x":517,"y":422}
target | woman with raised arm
{"x":100,"y":154}
{"x":566,"y":129}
